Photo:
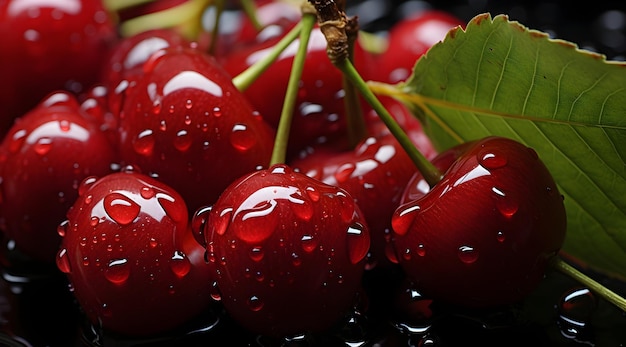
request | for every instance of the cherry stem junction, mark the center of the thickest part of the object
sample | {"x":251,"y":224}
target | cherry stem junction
{"x":286,"y":116}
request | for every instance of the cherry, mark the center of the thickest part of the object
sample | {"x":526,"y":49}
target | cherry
{"x":47,"y":46}
{"x":319,"y":113}
{"x":185,"y":122}
{"x":485,"y":234}
{"x":130,"y":256}
{"x":409,"y":39}
{"x":126,"y":59}
{"x":43,"y":158}
{"x":288,"y":251}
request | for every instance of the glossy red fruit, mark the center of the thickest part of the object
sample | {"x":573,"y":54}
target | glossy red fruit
{"x":484,"y":235}
{"x":375,"y":173}
{"x":185,"y":122}
{"x":288,"y":251}
{"x":43,"y":158}
{"x":47,"y":46}
{"x":130,"y":256}
{"x":127,"y":57}
{"x":319,"y":112}
{"x":411,"y":38}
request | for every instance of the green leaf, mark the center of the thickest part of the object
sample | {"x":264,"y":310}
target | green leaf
{"x":497,"y":77}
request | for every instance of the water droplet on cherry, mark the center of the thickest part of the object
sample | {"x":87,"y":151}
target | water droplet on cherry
{"x":117,"y":271}
{"x":491,"y":160}
{"x":241,"y":138}
{"x":120,"y":208}
{"x":144,"y":143}
{"x":182,"y":141}
{"x":62,"y":261}
{"x":255,"y":303}
{"x":180,"y":264}
{"x":358,"y":242}
{"x":309,"y":243}
{"x":256,"y":253}
{"x":467,"y":254}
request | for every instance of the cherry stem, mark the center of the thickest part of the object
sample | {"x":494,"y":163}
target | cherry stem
{"x":119,"y":5}
{"x":248,"y":76}
{"x":559,"y":264}
{"x":357,"y":129}
{"x":186,"y":17}
{"x":333,"y":24}
{"x":282,"y":134}
{"x":431,"y":174}
{"x":250,"y":9}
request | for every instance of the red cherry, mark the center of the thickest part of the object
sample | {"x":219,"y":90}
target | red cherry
{"x":374,"y":173}
{"x":127,"y":57}
{"x":43,"y":158}
{"x":409,"y":39}
{"x":288,"y":251}
{"x":47,"y":46}
{"x":130,"y":256}
{"x":319,"y":111}
{"x":185,"y":122}
{"x":483,"y":235}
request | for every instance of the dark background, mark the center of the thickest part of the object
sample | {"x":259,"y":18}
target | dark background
{"x":598,"y":26}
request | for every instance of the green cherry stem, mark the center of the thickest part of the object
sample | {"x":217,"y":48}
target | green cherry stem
{"x":559,"y":264}
{"x":119,"y":5}
{"x":286,"y":115}
{"x":247,"y":77}
{"x":431,"y":174}
{"x":187,"y":17}
{"x":249,"y":8}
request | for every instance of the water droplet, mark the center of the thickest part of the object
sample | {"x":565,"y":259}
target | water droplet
{"x":43,"y":146}
{"x":344,"y":172}
{"x":421,"y":250}
{"x":180,"y":264}
{"x":188,"y":104}
{"x":223,"y":221}
{"x":313,"y":194}
{"x":491,"y":160}
{"x":403,"y":218}
{"x":215,"y":292}
{"x":241,"y":138}
{"x":575,"y":310}
{"x":255,"y":303}
{"x":62,"y":261}
{"x":144,"y":143}
{"x":120,"y":208}
{"x":117,"y":271}
{"x":467,"y":254}
{"x":199,"y":224}
{"x":182,"y":141}
{"x":256,"y":253}
{"x":173,"y":208}
{"x":147,"y":192}
{"x":309,"y":243}
{"x":295,"y":259}
{"x":358,"y":242}
{"x":500,"y":236}
{"x":63,"y":227}
{"x":506,"y":204}
{"x":217,"y":112}
{"x":94,"y":221}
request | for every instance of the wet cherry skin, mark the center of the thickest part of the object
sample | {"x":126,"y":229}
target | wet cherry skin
{"x":484,"y":235}
{"x":185,"y":122}
{"x":130,"y":256}
{"x":288,"y":251}
{"x":411,"y":38}
{"x":43,"y":158}
{"x":59,"y":44}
